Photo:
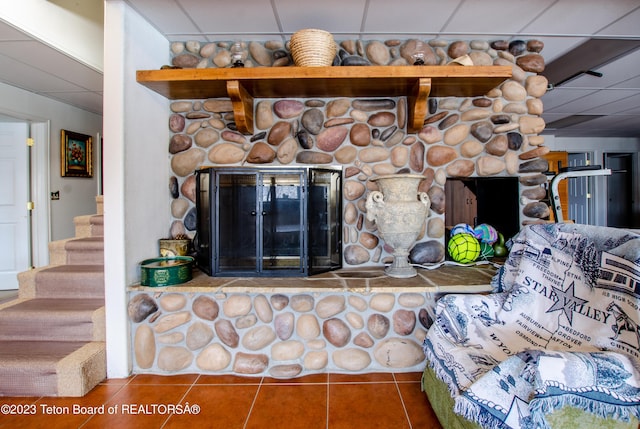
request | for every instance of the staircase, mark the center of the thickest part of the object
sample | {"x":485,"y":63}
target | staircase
{"x":52,"y":337}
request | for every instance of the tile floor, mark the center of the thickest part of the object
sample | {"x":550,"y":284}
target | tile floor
{"x":333,"y":401}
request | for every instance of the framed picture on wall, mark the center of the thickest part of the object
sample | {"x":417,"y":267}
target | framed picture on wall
{"x":76,"y":154}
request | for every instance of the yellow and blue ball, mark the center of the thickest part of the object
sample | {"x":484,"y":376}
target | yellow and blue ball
{"x":463,"y":248}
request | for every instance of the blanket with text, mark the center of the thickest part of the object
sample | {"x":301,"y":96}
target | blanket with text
{"x":561,"y":328}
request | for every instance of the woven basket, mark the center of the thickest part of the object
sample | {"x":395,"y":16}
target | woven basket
{"x":312,"y":48}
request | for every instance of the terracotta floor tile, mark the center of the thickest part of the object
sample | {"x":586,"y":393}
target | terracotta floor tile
{"x":40,"y":420}
{"x":421,"y":415}
{"x":222,"y":406}
{"x":294,"y":406}
{"x":381,"y":377}
{"x":322,"y":401}
{"x":366,"y":406}
{"x":24,"y":412}
{"x":178,"y":379}
{"x":125,"y":380}
{"x":408,"y":377}
{"x":139,"y":406}
{"x":227,"y":379}
{"x":62,"y":413}
{"x":305,"y":379}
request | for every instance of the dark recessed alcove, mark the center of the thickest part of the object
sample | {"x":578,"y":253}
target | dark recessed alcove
{"x":491,"y":200}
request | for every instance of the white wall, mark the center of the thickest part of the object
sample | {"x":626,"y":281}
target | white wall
{"x":77,"y":195}
{"x":136,"y":161}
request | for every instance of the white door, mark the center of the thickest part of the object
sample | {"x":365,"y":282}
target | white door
{"x":14,"y":216}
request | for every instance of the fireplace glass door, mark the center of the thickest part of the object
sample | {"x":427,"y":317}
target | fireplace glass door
{"x":267,"y":222}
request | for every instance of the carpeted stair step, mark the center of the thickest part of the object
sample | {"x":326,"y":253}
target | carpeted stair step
{"x":89,"y":225}
{"x":52,"y":338}
{"x":85,"y":251}
{"x":88,"y":250}
{"x":63,"y":281}
{"x":52,"y":319}
{"x":45,"y":368}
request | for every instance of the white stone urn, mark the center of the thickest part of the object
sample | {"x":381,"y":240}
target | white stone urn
{"x":399,"y":211}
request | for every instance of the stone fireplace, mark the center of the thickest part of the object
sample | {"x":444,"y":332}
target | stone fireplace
{"x":493,"y":135}
{"x":340,"y":321}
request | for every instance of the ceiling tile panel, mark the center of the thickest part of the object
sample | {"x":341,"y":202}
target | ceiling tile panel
{"x":579,"y":16}
{"x":586,"y":81}
{"x":588,"y":102}
{"x":409,"y":16}
{"x":166,"y":15}
{"x":633,"y":83}
{"x":231,"y":17}
{"x":625,"y":26}
{"x":336,"y":16}
{"x":629,"y":100}
{"x":494,"y":16}
{"x":605,"y":126}
{"x":561,"y":96}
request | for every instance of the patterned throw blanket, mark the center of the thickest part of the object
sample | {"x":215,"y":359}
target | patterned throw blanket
{"x":562,"y":328}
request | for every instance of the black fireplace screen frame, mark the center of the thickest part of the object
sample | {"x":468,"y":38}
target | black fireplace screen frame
{"x":267,"y":222}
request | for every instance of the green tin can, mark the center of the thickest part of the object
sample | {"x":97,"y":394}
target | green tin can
{"x":166,"y":271}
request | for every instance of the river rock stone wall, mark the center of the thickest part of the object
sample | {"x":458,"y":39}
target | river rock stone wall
{"x":278,"y":335}
{"x":496,"y":134}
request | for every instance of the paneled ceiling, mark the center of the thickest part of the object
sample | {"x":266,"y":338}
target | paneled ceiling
{"x":585,"y":106}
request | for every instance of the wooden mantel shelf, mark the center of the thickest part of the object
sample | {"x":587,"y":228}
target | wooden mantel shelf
{"x":242,"y":85}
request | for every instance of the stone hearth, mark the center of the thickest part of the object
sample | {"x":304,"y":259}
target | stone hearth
{"x":349,"y":321}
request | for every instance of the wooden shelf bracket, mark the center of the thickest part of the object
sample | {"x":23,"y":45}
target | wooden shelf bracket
{"x":242,"y":103}
{"x":417,"y":102}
